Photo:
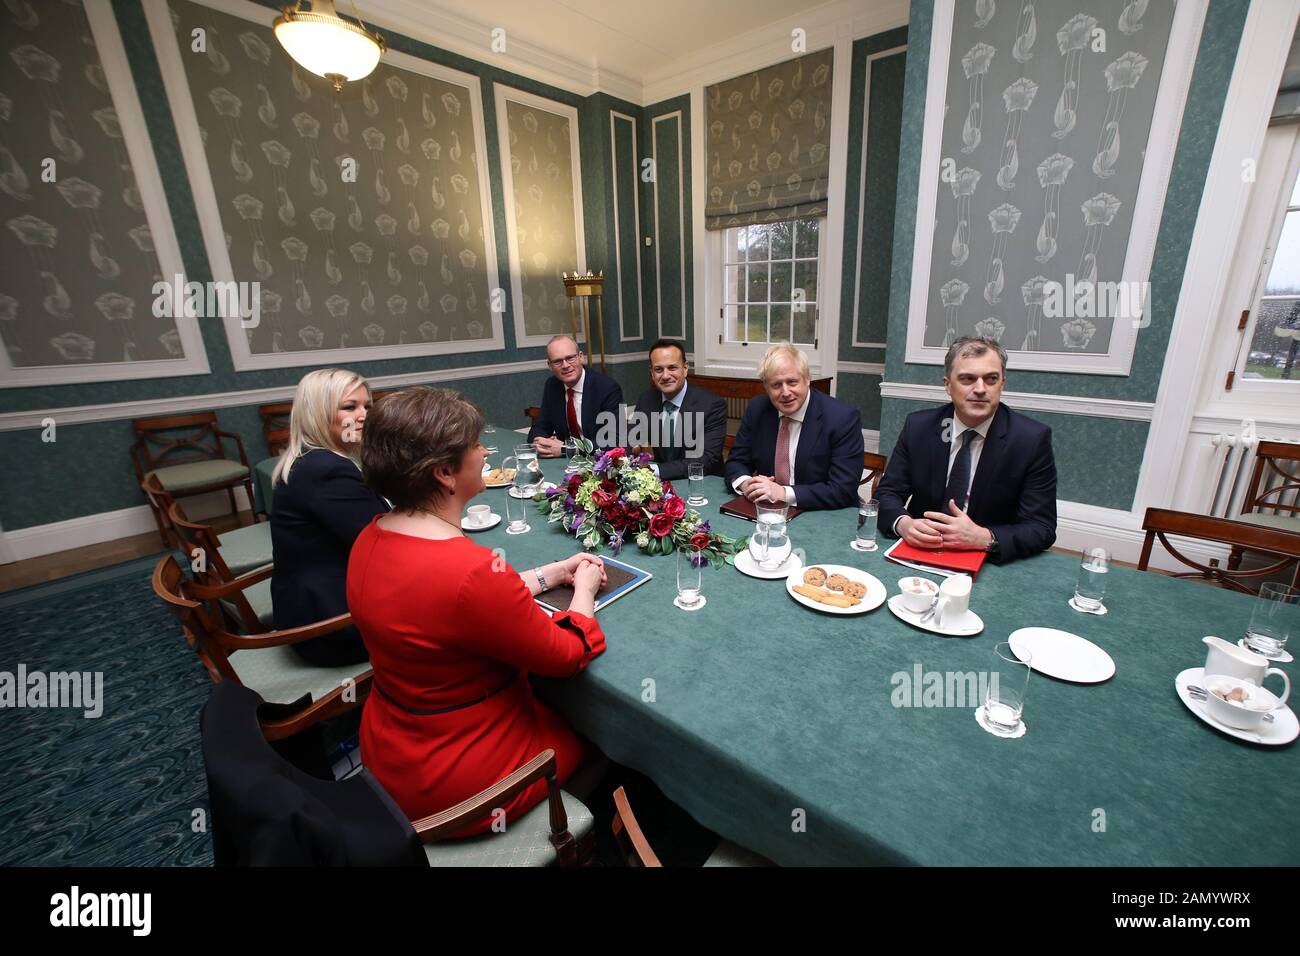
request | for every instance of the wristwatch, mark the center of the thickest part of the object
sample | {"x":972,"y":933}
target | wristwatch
{"x":993,"y":542}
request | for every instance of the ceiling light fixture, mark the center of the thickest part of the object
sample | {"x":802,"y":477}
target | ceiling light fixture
{"x":324,"y":43}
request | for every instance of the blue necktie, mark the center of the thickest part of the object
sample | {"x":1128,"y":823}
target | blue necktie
{"x":959,"y":477}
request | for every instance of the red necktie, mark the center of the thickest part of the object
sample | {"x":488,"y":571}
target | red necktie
{"x":783,"y":453}
{"x":575,"y":430}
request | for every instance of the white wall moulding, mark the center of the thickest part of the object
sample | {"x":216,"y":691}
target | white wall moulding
{"x":862,"y":196}
{"x":861,"y":368}
{"x":1265,"y":42}
{"x":678,"y":331}
{"x":505,"y":96}
{"x":119,"y":411}
{"x":615,"y":118}
{"x":217,"y":216}
{"x":1025,"y":401}
{"x":134,"y":139}
{"x":1159,"y":148}
{"x":1080,"y":526}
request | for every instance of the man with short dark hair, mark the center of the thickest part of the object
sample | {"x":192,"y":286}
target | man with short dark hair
{"x":574,"y":399}
{"x":686,"y":423}
{"x":973,"y":475}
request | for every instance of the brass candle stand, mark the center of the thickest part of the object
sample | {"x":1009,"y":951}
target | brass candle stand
{"x":586,"y":287}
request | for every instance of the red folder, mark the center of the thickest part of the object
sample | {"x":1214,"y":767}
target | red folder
{"x":964,"y":562}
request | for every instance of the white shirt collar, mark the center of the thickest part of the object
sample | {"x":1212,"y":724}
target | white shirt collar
{"x":678,"y":398}
{"x":982,"y":429}
{"x":581,"y":379}
{"x":803,"y":409}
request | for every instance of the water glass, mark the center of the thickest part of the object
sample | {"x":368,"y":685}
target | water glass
{"x":528,"y":473}
{"x":1004,"y":694}
{"x":770,"y":532}
{"x":490,"y":438}
{"x":516,"y":515}
{"x":695,"y":475}
{"x":1091,"y":585}
{"x":868,"y":511}
{"x":690,"y":563}
{"x":570,"y":448}
{"x":1276,"y":616}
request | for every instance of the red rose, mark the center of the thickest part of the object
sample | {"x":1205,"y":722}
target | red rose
{"x":616,"y":453}
{"x":661,"y":526}
{"x":674,"y":506}
{"x":602,"y":499}
{"x":575,"y":482}
{"x":668,"y":488}
{"x":700,"y":540}
{"x":633,"y":514}
{"x":655,"y":506}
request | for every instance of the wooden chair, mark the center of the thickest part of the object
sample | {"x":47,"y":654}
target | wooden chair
{"x":275,"y":425}
{"x":263,"y":662}
{"x":186,"y":454}
{"x":636,"y":848}
{"x":874,"y":466}
{"x":1269,"y":471}
{"x":249,"y":606}
{"x":533,"y":412}
{"x":1284,"y":545}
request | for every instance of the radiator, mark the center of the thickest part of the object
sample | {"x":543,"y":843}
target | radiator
{"x":1234,"y":458}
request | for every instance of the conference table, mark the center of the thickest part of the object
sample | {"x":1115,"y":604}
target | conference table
{"x":775,"y":725}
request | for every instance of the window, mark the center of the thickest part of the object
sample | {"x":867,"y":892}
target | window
{"x":771,"y":283}
{"x":1276,"y":338}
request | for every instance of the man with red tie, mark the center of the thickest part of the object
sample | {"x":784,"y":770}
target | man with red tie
{"x":796,"y":444}
{"x":576,"y":401}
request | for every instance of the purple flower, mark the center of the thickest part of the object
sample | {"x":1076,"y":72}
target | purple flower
{"x":570,"y":503}
{"x":643,"y":459}
{"x":698,"y":560}
{"x":616,"y":542}
{"x":702,"y":526}
{"x":555,"y":490}
{"x":602,"y":465}
{"x":576,"y":523}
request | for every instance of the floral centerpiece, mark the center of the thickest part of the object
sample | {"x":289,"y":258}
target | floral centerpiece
{"x":615,"y":499}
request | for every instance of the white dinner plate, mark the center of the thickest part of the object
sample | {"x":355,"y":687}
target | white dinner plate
{"x":874,"y":597}
{"x":490,"y":523}
{"x":1062,"y":654}
{"x":968,"y":626}
{"x":746,"y":564}
{"x":1284,"y":728}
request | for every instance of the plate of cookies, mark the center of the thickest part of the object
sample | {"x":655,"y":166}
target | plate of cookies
{"x":836,"y":589}
{"x":498,"y":477}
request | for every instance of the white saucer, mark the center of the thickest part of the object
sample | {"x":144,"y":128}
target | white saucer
{"x":746,"y":564}
{"x":1283,"y":658}
{"x":491,"y":523}
{"x":874,"y":597}
{"x":1083,"y":610}
{"x":677,"y":601}
{"x":970,"y":625}
{"x":1062,"y":655}
{"x":1284,"y":728}
{"x":701,"y":504}
{"x":516,"y":493}
{"x":982,"y":719}
{"x":857,"y":547}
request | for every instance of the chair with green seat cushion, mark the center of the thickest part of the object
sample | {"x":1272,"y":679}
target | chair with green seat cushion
{"x":188,"y":456}
{"x":637,"y":851}
{"x":246,"y":548}
{"x":732,"y":854}
{"x":523,"y":842}
{"x":249,"y":606}
{"x":1286,"y":522}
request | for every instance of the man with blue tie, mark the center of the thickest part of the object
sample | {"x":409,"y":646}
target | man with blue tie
{"x":576,"y":401}
{"x":796,"y":444}
{"x":973,"y":475}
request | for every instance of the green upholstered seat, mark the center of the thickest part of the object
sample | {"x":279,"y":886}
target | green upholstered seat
{"x":246,"y":548}
{"x":525,"y":842}
{"x":729,"y":854}
{"x":259,"y":599}
{"x":1285,"y":522}
{"x":195,"y":474}
{"x":281,"y":676}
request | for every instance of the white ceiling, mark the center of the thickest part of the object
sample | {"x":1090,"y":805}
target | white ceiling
{"x":633,"y":38}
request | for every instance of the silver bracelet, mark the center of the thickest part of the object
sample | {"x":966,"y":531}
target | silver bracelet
{"x":541,"y":579}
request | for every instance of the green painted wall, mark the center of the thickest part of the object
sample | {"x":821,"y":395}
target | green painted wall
{"x":1108,"y":452}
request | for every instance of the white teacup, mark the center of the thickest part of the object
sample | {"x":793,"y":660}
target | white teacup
{"x":954,"y":599}
{"x":918,"y":593}
{"x":1245,"y":714}
{"x":478,"y":515}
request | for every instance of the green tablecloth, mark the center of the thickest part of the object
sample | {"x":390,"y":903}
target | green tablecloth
{"x":763,"y":708}
{"x":262,"y":487}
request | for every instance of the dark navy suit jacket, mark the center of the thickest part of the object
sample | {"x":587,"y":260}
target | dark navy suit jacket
{"x":600,"y":393}
{"x":828,"y":462}
{"x":672,"y":462}
{"x":315,"y":517}
{"x":1014,"y":491}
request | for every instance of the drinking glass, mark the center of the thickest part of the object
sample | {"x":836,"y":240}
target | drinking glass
{"x":1275,"y":617}
{"x":528,"y":473}
{"x":690,"y":562}
{"x":516,"y":515}
{"x":770,"y":530}
{"x":1091,"y":586}
{"x":570,"y":448}
{"x":1004,"y":694}
{"x":695,"y":475}
{"x":490,"y":438}
{"x":868,"y":511}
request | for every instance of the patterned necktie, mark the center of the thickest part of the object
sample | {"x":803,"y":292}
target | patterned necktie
{"x":959,"y":477}
{"x":783,"y":453}
{"x":575,"y":430}
{"x":670,"y":431}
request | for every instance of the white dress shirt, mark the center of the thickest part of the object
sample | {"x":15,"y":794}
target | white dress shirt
{"x":976,"y":446}
{"x":796,"y":426}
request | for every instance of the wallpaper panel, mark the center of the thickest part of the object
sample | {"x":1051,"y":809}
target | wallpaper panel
{"x":672,"y":224}
{"x":545,"y":239}
{"x":360,"y":213}
{"x":79,"y":260}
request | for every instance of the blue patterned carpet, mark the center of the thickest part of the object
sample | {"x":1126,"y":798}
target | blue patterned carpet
{"x":119,"y":790}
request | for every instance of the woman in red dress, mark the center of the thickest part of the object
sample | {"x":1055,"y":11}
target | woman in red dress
{"x":452,"y":630}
